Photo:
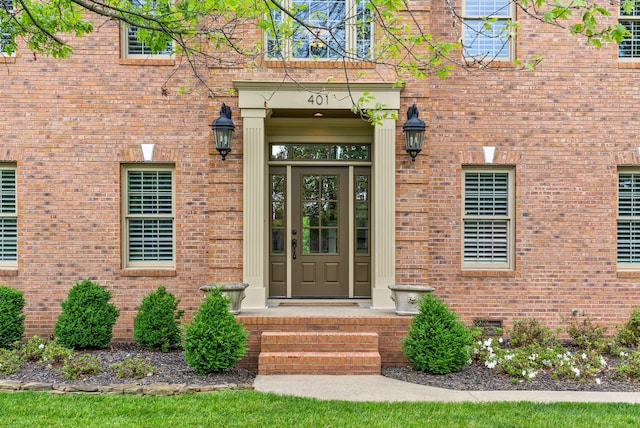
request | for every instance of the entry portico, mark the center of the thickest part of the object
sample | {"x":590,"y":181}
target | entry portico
{"x":257,"y":102}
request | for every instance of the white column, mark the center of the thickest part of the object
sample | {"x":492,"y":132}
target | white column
{"x":384,"y":203}
{"x":255,"y":217}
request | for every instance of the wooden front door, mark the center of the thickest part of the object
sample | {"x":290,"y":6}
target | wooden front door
{"x":319,"y":231}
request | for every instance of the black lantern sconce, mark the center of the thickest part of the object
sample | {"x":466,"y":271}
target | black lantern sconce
{"x":414,"y":132}
{"x":223,"y":128}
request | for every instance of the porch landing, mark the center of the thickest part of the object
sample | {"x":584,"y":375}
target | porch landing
{"x":323,"y":337}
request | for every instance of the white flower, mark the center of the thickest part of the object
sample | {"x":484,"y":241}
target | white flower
{"x":533,"y":357}
{"x":490,"y":364}
{"x":576,"y":371}
{"x":487,"y":342}
{"x":584,"y":356}
{"x":508,"y":357}
{"x":500,"y":340}
{"x":598,"y":380}
{"x":532,"y":374}
{"x":41,"y":346}
{"x":603,"y":362}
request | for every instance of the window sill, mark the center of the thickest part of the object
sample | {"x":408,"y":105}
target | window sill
{"x":628,"y":274}
{"x":8,"y":271}
{"x":634,"y":63}
{"x":148,"y":272}
{"x":488,"y":273}
{"x":148,"y":61}
{"x":319,"y":64}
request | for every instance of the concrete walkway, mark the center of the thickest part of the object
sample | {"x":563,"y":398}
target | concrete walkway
{"x":380,"y":388}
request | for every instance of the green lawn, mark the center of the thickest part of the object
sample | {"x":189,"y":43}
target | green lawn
{"x":254,"y":409}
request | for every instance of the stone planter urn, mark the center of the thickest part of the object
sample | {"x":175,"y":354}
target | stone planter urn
{"x":233,"y":290}
{"x":408,"y":297}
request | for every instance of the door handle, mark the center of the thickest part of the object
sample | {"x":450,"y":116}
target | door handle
{"x":294,"y":245}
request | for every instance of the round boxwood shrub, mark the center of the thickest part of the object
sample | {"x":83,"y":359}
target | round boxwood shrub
{"x":437,"y":341}
{"x":87,"y":317}
{"x":155,"y":326}
{"x":11,"y":316}
{"x":214,"y":340}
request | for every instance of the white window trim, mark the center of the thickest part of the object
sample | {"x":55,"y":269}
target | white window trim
{"x":627,"y":18}
{"x":510,"y":218}
{"x":124,"y":47}
{"x":11,"y":263}
{"x":2,"y":53}
{"x":126,"y":264}
{"x":350,"y":36}
{"x":511,"y":44}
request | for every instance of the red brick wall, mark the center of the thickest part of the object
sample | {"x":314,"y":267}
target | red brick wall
{"x":68,"y":124}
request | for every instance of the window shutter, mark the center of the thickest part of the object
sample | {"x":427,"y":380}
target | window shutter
{"x":8,"y":220}
{"x":486,"y":217}
{"x":628,"y":239}
{"x":150,"y":215}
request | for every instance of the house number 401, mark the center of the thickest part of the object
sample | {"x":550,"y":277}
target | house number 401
{"x":318,"y":100}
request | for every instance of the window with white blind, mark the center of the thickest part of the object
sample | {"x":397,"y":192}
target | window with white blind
{"x":335,"y":29}
{"x":487,"y":219}
{"x":8,"y":217}
{"x":628,"y":238}
{"x":7,"y":39}
{"x":149,"y":217}
{"x":630,"y":46}
{"x":486,"y":32}
{"x":134,"y":48}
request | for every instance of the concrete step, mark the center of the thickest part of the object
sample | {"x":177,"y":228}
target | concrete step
{"x":336,"y":353}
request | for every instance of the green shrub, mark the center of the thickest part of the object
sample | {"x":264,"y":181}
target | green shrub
{"x":529,"y":332}
{"x":587,"y":334}
{"x":133,"y":368}
{"x":55,"y":354}
{"x":34,"y":349}
{"x":437,"y":341}
{"x":155,"y":326}
{"x":214,"y":340}
{"x":87,"y":318}
{"x":629,"y":333}
{"x":78,"y":366}
{"x":629,"y":367}
{"x":9,"y":361}
{"x":11,"y":317}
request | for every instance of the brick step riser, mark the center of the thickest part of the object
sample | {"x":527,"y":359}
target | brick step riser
{"x":319,"y":363}
{"x":319,"y":342}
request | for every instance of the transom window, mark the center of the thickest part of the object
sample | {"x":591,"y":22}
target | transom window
{"x":320,"y":152}
{"x":333,"y":29}
{"x":149,"y":217}
{"x":8,"y":216}
{"x":7,"y":39}
{"x":630,"y":46}
{"x":134,"y":48}
{"x":488,"y":219}
{"x":486,"y":29}
{"x":628,"y":242}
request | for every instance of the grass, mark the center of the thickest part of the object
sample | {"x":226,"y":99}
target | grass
{"x":255,"y":409}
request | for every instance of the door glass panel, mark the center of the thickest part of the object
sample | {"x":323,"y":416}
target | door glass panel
{"x":277,"y":213}
{"x":330,"y":214}
{"x":362,"y":206}
{"x":320,"y":152}
{"x":320,"y":214}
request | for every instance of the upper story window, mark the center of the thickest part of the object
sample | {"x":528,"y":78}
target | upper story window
{"x":486,"y":31}
{"x":488,"y":219}
{"x":333,"y":29}
{"x":630,"y":46}
{"x":628,"y":239}
{"x":8,"y":217}
{"x":134,"y":48}
{"x":148,"y":213}
{"x":7,"y":39}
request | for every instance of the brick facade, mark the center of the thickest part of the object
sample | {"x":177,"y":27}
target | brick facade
{"x":565,"y":128}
